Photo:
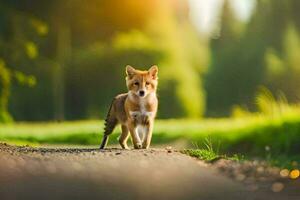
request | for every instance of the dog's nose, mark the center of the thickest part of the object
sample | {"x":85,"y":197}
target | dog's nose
{"x":142,"y":93}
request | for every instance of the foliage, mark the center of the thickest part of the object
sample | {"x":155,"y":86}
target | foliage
{"x":229,"y":81}
{"x":90,"y":89}
{"x":202,"y":154}
{"x":78,"y":54}
{"x":283,"y":67}
{"x":75,"y":55}
{"x":209,"y":155}
{"x":5,"y":81}
{"x":17,"y":50}
{"x":268,"y":105}
{"x":263,"y":51}
{"x":186,"y":60}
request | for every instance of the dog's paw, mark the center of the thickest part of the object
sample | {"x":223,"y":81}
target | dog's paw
{"x":145,"y":146}
{"x":138,"y":146}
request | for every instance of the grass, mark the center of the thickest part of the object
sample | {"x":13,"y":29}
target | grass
{"x":210,"y":156}
{"x":254,"y":135}
{"x":202,"y":154}
{"x":284,"y":161}
{"x":209,"y":153}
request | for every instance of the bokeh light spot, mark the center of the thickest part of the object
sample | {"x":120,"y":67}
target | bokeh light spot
{"x":31,"y":50}
{"x":294,"y":174}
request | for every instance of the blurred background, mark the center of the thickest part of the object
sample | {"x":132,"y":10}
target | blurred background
{"x":235,"y":60}
{"x":65,"y":60}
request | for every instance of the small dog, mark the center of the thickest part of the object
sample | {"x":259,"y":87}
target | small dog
{"x":135,"y":110}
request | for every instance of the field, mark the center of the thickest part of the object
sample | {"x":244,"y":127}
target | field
{"x":273,"y":138}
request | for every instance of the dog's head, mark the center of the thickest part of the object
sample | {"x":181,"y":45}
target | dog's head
{"x":141,"y":83}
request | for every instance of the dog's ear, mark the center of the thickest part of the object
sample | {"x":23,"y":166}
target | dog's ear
{"x":153,"y":71}
{"x":130,"y":71}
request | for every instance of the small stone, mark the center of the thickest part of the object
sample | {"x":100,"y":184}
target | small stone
{"x":277,"y":187}
{"x":284,"y":173}
{"x":240,"y":177}
{"x":250,"y":180}
{"x":118,"y":153}
{"x":260,"y":169}
{"x":252,"y":187}
{"x":169,"y":149}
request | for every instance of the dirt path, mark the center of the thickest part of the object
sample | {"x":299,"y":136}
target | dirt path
{"x":43,"y":173}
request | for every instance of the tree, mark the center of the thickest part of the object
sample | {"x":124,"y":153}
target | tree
{"x":16,"y":47}
{"x":186,"y":60}
{"x":5,"y":81}
{"x":225,"y":81}
{"x":247,"y":56}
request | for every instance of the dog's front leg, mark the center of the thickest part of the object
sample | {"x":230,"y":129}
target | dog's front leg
{"x":148,"y":134}
{"x":135,"y":136}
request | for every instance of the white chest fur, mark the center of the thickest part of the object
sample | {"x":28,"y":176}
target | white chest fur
{"x":139,"y":115}
{"x":142,"y":111}
{"x":141,"y":131}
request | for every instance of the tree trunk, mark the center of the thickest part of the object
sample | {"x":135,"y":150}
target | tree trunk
{"x":63,"y":55}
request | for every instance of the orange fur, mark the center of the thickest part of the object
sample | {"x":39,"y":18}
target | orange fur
{"x":135,"y":110}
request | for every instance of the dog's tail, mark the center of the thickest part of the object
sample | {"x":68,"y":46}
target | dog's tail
{"x":109,"y":125}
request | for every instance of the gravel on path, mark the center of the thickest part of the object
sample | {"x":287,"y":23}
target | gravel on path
{"x":73,"y":173}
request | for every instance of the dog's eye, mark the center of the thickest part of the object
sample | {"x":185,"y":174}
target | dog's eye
{"x":136,"y":83}
{"x":147,"y":83}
